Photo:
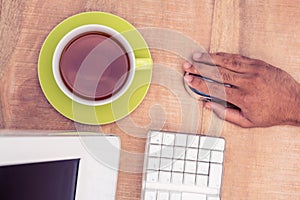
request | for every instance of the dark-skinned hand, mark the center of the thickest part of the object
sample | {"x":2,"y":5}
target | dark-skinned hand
{"x":264,"y":94}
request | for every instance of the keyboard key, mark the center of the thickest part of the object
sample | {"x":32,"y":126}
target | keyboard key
{"x":193,"y":141}
{"x":167,"y":151}
{"x":166,"y":164}
{"x":183,"y":188}
{"x":213,"y":198}
{"x":164,"y":177}
{"x":192,"y":196}
{"x":189,"y":179}
{"x":204,"y":155}
{"x":190,"y":167}
{"x":191,"y":154}
{"x":216,"y":157}
{"x":150,"y":195}
{"x":202,"y":180}
{"x":152,"y":176}
{"x":168,"y":139}
{"x":178,"y":165}
{"x":179,"y":153}
{"x":177,"y":178}
{"x":154,"y":150}
{"x":163,"y":196}
{"x":215,"y":175}
{"x":153,"y":163}
{"x":203,"y":168}
{"x":212,"y":143}
{"x":180,"y":140}
{"x":156,"y":137}
{"x":220,"y":146}
{"x":175,"y":196}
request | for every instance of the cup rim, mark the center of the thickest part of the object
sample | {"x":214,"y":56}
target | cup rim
{"x":68,"y":38}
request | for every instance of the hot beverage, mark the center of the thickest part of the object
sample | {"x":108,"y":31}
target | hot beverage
{"x":94,"y":66}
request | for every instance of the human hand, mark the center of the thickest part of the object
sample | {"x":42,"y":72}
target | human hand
{"x":266,"y":95}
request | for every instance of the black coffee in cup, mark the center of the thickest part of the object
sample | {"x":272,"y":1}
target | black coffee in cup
{"x":94,"y":66}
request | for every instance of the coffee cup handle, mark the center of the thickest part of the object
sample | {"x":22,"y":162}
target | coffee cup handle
{"x":143,"y":63}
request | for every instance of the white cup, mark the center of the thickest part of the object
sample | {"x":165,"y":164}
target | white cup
{"x":86,"y":29}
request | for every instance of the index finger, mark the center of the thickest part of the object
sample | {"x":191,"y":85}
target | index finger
{"x":234,"y":62}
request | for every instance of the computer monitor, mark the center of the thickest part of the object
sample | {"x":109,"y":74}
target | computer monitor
{"x":59,"y":167}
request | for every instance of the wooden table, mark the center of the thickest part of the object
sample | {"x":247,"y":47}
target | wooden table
{"x":260,"y":163}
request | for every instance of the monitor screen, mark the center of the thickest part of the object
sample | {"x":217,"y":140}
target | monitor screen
{"x":36,"y":181}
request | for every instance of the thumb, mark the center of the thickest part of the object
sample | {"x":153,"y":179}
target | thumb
{"x":229,"y":114}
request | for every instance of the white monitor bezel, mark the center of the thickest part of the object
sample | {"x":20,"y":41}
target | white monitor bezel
{"x":95,"y":180}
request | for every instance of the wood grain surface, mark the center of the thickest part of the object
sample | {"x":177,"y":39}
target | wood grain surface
{"x":261,"y":163}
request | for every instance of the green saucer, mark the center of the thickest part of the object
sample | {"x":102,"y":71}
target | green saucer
{"x":103,"y":114}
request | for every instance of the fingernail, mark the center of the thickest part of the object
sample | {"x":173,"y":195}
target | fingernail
{"x":206,"y":100}
{"x":187,"y":65}
{"x":197,"y":55}
{"x":188,"y":78}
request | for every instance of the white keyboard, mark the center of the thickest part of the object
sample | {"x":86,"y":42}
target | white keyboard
{"x":179,"y":166}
